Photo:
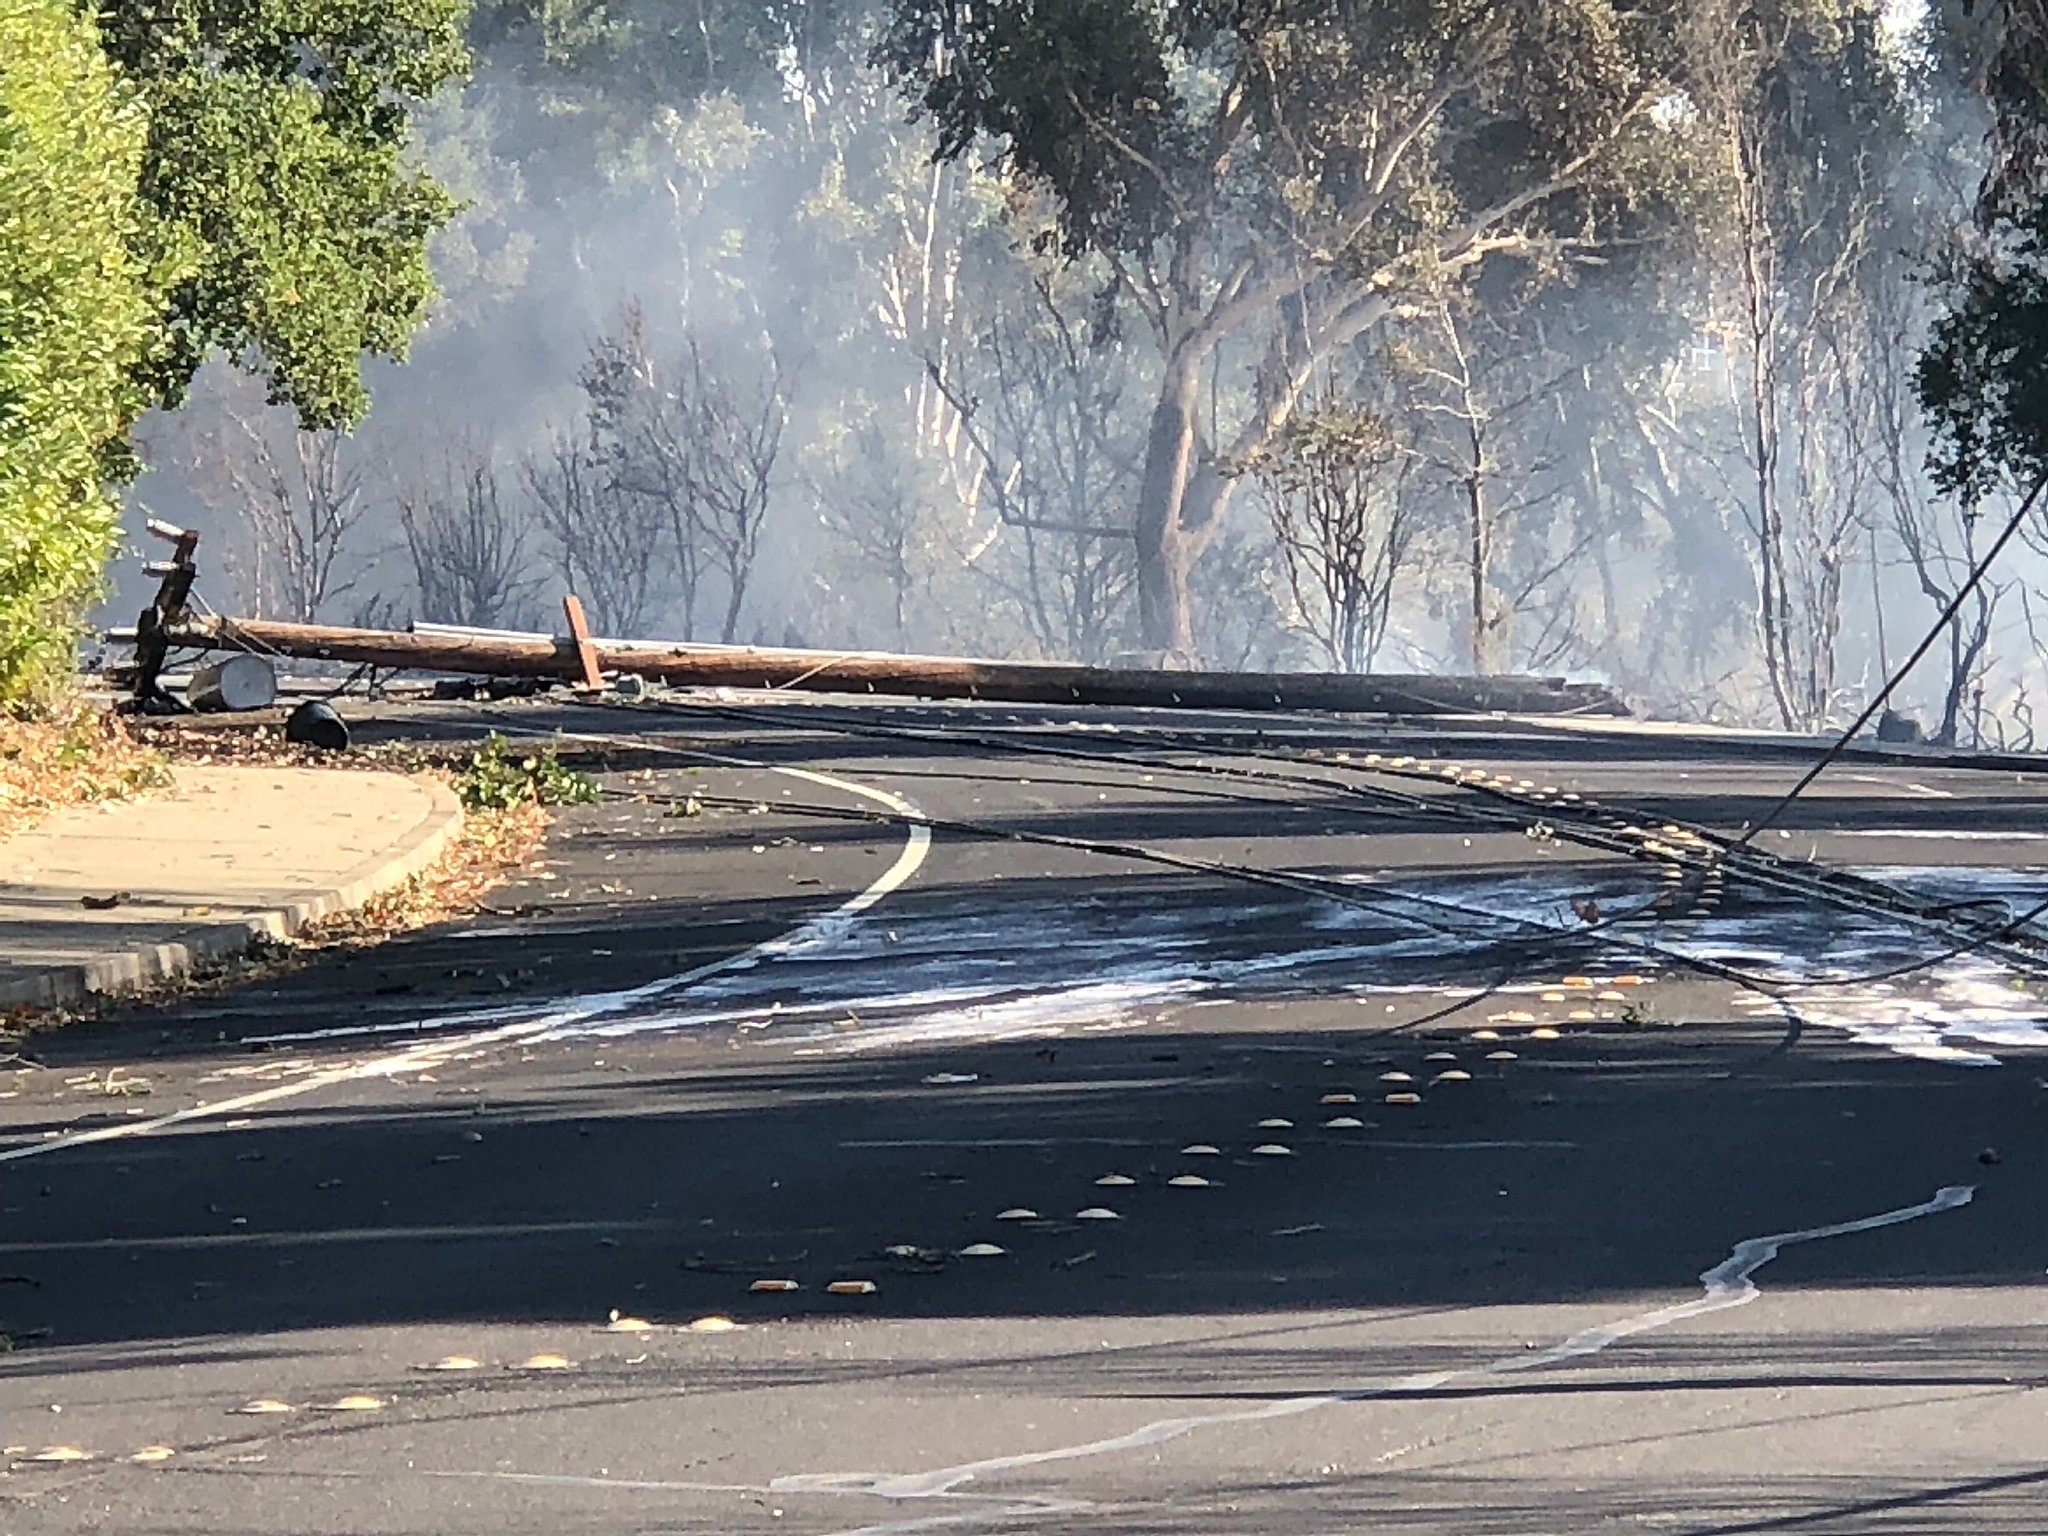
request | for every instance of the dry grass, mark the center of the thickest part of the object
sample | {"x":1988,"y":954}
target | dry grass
{"x":71,"y":759}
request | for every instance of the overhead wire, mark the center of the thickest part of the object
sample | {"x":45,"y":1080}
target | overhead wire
{"x":1883,"y":695}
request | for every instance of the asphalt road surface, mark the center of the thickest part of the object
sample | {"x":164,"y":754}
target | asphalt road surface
{"x":905,"y":1119}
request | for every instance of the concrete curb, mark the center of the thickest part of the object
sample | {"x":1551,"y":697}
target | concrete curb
{"x":133,"y":969}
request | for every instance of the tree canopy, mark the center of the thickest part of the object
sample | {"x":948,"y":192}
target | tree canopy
{"x":1303,"y":169}
{"x":75,"y":308}
{"x":1984,"y":375}
{"x":283,"y":207}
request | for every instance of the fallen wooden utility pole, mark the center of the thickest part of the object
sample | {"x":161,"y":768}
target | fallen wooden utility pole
{"x":496,"y":654}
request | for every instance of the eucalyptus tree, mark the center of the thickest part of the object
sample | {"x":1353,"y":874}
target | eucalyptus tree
{"x":1291,"y":174}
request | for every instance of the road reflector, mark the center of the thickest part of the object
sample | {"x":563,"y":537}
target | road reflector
{"x":1115,"y":1181}
{"x":1276,"y":1124}
{"x":355,"y":1402}
{"x":1440,"y":1056}
{"x":1454,"y":1075}
{"x":714,"y":1324}
{"x":1097,"y":1213}
{"x":545,"y":1362}
{"x":1404,"y":1098}
{"x":1344,"y":1123}
{"x":1017,"y":1213}
{"x":1545,"y":1033}
{"x":263,"y":1405}
{"x":1272,"y":1149}
{"x":852,"y":1287}
{"x":1340,"y":1098}
{"x":451,"y":1363}
{"x":774,"y":1285}
{"x":1485,"y":1034}
{"x":619,"y":1324}
{"x":1188,"y":1181}
{"x":982,"y":1251}
{"x":1200,"y":1149}
{"x":1501,"y":1056}
{"x":152,"y":1453}
{"x":60,"y":1453}
{"x":1396,"y":1077}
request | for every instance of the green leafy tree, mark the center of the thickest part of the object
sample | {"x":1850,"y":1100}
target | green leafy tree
{"x":1289,"y":175}
{"x":75,"y":309}
{"x":1984,"y":374}
{"x":284,"y":210}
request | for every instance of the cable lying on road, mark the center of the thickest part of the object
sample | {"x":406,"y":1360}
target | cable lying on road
{"x":1704,"y":856}
{"x":1384,"y":900}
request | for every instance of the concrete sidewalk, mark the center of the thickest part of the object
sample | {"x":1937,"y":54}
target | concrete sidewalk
{"x":228,"y":856}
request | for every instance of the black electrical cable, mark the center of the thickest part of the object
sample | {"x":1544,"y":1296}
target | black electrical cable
{"x":1757,"y":866}
{"x":1955,"y":606}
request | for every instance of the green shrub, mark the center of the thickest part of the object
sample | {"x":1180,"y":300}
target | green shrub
{"x":495,"y":780}
{"x":75,"y":312}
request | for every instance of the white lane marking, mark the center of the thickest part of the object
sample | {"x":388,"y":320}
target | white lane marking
{"x":998,"y":1141}
{"x":1467,"y":1146}
{"x":243,"y":1237}
{"x":916,"y":844}
{"x":1727,"y":1284}
{"x":1919,"y":789}
{"x":1943,"y":834}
